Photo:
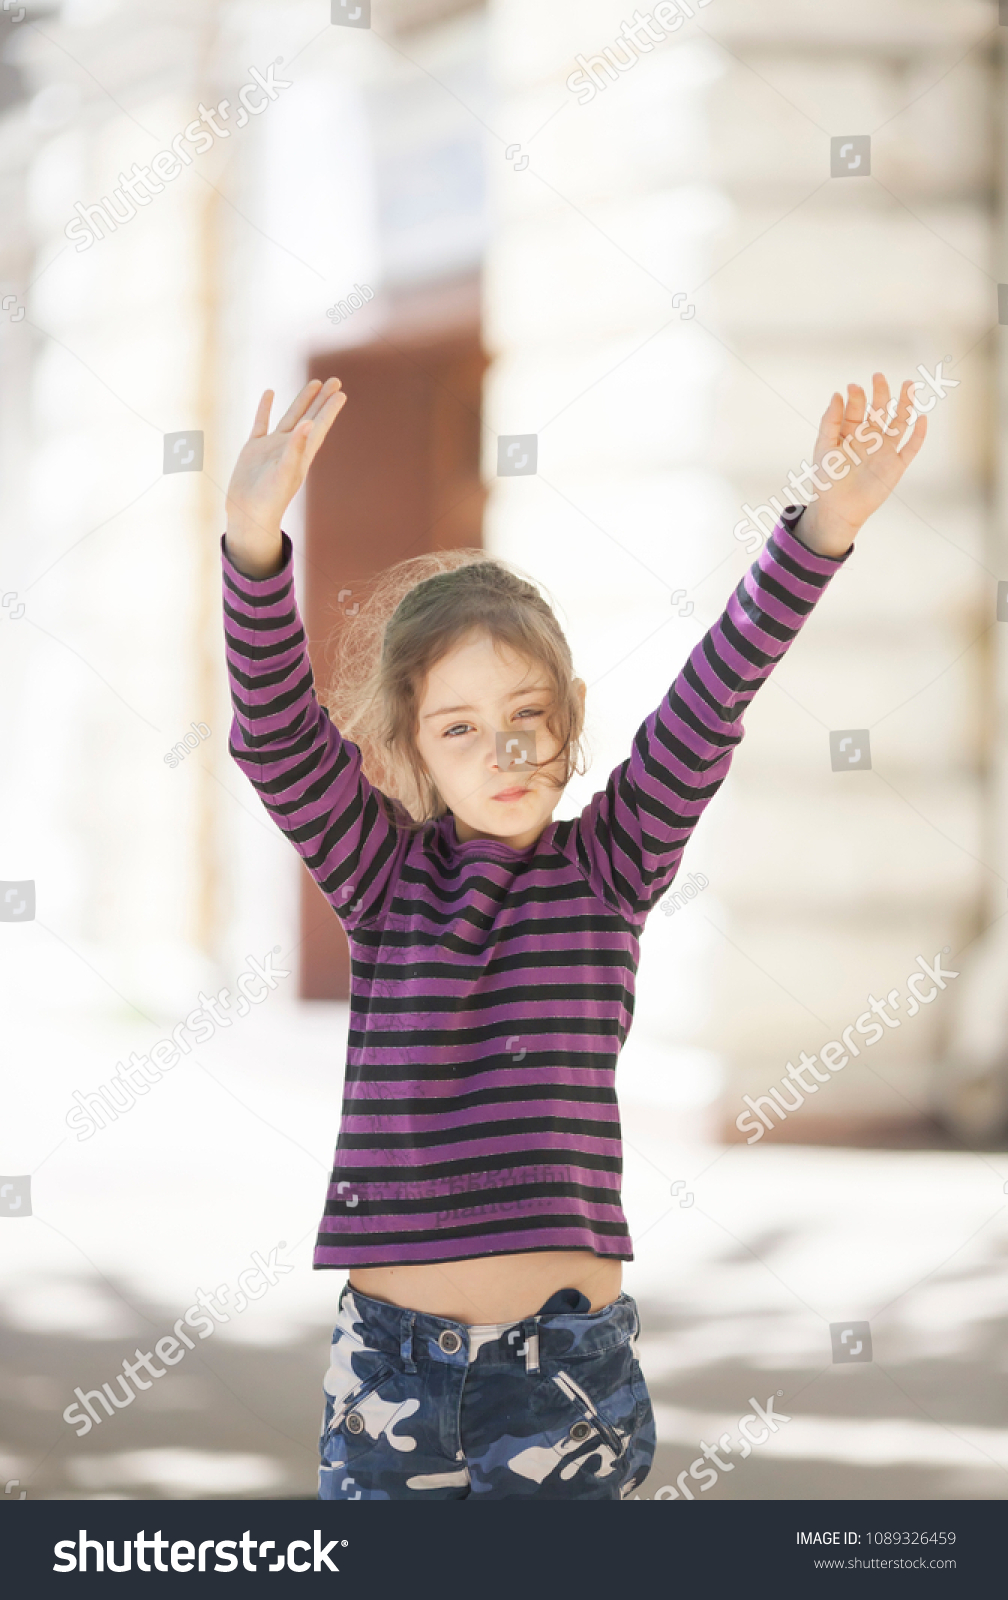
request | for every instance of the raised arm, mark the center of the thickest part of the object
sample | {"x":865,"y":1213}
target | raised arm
{"x":307,"y":775}
{"x":630,"y":838}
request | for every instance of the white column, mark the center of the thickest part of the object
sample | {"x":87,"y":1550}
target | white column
{"x":597,"y":349}
{"x":706,"y":168}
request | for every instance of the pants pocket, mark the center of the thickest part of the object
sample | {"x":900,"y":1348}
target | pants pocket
{"x":590,"y":1410}
{"x":591,"y":1420}
{"x":343,"y":1412}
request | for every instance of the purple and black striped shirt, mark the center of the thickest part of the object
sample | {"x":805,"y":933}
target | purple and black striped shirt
{"x":492,"y":988}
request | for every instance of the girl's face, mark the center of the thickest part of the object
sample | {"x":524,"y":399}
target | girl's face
{"x":474,"y":692}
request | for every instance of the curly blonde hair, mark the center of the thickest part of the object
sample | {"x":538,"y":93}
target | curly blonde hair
{"x":416,"y":611}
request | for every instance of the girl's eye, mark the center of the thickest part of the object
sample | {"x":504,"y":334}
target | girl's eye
{"x":528,"y":711}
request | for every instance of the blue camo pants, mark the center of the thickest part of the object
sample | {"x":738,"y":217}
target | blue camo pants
{"x":554,"y":1407}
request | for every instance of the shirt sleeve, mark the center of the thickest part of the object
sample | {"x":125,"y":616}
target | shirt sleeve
{"x":630,"y":838}
{"x":306,"y":774}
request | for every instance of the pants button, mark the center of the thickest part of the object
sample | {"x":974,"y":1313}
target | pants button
{"x":450,"y":1342}
{"x":355,"y":1422}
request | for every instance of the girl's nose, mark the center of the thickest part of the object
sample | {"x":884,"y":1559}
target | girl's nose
{"x":512,"y":748}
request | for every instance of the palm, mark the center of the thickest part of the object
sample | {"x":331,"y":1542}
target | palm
{"x":851,"y":499}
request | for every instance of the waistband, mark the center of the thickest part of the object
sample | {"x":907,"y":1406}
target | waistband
{"x":415,"y":1336}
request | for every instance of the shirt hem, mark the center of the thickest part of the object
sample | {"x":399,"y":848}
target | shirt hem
{"x":466,"y":1255}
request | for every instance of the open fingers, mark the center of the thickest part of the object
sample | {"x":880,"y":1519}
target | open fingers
{"x":854,"y":411}
{"x":261,"y":424}
{"x":907,"y":416}
{"x":324,"y":420}
{"x":297,"y":408}
{"x":903,"y":413}
{"x":328,"y":389}
{"x":880,"y":392}
{"x":913,"y":444}
{"x":306,"y":438}
{"x":829,"y":426}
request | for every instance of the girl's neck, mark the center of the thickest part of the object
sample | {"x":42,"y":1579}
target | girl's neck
{"x":518,"y":842}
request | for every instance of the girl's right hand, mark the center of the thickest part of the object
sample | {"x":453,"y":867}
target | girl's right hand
{"x":271,"y":469}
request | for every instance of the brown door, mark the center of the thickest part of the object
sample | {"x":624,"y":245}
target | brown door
{"x":399,"y":475}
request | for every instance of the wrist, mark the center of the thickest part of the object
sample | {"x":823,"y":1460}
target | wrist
{"x":824,"y":533}
{"x":254,"y":551}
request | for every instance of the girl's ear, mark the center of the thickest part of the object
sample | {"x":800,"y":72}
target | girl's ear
{"x":580,"y":689}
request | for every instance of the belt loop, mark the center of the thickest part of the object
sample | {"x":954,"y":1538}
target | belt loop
{"x":406,"y":1340}
{"x":530,"y":1331}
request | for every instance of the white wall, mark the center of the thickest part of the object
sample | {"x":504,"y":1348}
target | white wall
{"x":705,"y":168}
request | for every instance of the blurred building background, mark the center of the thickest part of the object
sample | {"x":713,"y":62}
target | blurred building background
{"x":664,"y":284}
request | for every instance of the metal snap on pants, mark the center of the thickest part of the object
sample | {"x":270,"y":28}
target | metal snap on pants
{"x":553,"y":1407}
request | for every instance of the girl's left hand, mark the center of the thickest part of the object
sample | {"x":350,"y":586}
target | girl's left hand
{"x":831,"y":522}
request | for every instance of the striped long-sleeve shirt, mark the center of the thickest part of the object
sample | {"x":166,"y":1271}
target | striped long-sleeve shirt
{"x":492,"y":988}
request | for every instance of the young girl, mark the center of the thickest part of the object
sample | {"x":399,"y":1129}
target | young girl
{"x":483,"y":1344}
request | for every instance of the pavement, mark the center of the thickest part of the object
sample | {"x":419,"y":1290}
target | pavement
{"x":751,"y":1263}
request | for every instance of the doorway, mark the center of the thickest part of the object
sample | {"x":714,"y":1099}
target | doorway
{"x":398,"y":475}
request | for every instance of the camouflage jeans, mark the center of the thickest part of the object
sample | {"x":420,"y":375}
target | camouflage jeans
{"x":421,"y":1408}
